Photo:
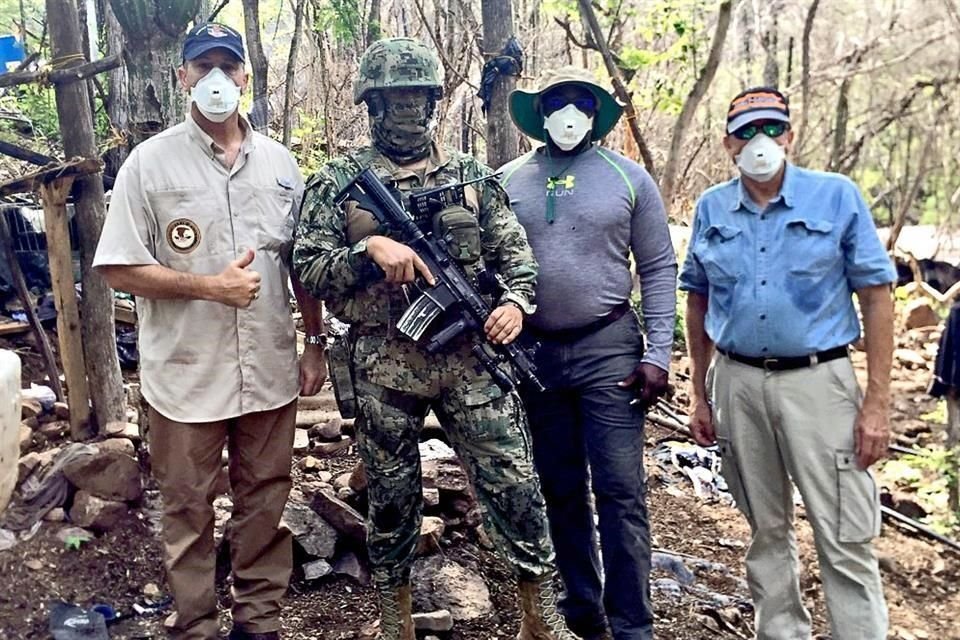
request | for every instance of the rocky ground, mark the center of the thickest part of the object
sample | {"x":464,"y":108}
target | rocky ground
{"x":699,"y":588}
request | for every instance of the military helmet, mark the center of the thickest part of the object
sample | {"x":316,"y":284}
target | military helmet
{"x":396,"y":63}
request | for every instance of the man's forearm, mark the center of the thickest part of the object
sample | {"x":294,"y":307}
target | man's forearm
{"x":699,"y":345}
{"x":311,"y":309}
{"x":158,"y":282}
{"x":876,"y":305}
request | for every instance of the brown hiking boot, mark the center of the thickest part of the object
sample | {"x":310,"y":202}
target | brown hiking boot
{"x":541,"y":620}
{"x":396,"y":622}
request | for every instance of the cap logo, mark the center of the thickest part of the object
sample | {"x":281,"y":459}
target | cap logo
{"x":183,"y":235}
{"x":217,"y":31}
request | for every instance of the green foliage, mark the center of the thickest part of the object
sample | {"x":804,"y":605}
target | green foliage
{"x":38,"y":105}
{"x":306,"y":144}
{"x":928,"y":473}
{"x":343,"y":18}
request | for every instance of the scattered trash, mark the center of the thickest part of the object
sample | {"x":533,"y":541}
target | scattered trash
{"x":42,"y":394}
{"x":698,"y":464}
{"x":675,"y":565}
{"x":730,"y":543}
{"x":668,"y":588}
{"x":70,"y":622}
{"x":74,"y":537}
{"x":8,"y":539}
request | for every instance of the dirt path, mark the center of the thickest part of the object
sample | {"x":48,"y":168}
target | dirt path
{"x":922,"y":580}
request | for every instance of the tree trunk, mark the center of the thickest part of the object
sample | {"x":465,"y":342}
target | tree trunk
{"x":805,"y":72}
{"x":586,"y":10}
{"x":374,"y":31}
{"x":502,"y":136}
{"x":96,"y":306}
{"x":152,"y":40}
{"x":668,"y":181}
{"x":118,"y":102}
{"x":260,"y":112}
{"x":292,"y":71}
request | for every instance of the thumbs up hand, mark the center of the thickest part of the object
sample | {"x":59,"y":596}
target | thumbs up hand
{"x":237,"y":285}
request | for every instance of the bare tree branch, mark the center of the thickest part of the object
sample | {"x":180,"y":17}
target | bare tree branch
{"x":586,"y":9}
{"x":668,"y":181}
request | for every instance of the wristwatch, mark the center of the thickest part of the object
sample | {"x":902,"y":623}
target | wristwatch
{"x":318,"y":338}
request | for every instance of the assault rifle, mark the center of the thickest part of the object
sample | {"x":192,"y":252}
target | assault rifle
{"x":453,"y":295}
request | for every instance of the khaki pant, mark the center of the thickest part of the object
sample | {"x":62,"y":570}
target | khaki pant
{"x":774,"y":427}
{"x":186,"y":461}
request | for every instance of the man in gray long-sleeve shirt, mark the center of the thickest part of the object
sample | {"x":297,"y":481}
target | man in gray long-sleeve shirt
{"x":585,"y":210}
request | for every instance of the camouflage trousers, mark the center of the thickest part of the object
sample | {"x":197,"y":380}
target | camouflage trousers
{"x":397,"y":383}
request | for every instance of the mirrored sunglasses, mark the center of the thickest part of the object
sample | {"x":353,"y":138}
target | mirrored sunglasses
{"x":770,"y":129}
{"x":586,"y":104}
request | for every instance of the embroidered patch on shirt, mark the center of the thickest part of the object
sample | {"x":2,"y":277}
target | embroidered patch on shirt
{"x":183,"y":235}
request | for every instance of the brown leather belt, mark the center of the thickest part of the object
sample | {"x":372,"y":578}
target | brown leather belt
{"x":788,"y":362}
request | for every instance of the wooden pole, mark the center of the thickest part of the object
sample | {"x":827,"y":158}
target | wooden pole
{"x":43,"y":344}
{"x":54,"y":195}
{"x":76,"y":130}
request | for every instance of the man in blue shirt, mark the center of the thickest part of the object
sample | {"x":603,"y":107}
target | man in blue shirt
{"x":773,"y":262}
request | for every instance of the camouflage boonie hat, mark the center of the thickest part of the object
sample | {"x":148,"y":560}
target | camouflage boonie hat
{"x":395,"y":63}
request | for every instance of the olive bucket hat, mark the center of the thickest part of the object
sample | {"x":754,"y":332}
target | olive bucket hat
{"x":525,"y":105}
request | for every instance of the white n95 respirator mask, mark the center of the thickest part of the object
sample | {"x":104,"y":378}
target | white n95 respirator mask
{"x":568,"y":127}
{"x":216,"y":95}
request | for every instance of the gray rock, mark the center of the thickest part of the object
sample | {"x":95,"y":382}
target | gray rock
{"x":27,"y":465}
{"x":443,"y":584}
{"x":358,"y":478}
{"x":90,"y":512}
{"x":118,"y":444}
{"x":325,"y":477}
{"x":310,"y":531}
{"x":106,"y":474}
{"x":431,"y":530}
{"x":439,"y":621}
{"x":349,"y":565}
{"x":330,"y":448}
{"x":301,"y":441}
{"x":26,"y":438}
{"x":341,"y":516}
{"x":330,"y":430}
{"x":431,"y":497}
{"x":129,"y":430}
{"x":316,"y":569}
{"x":55,"y":515}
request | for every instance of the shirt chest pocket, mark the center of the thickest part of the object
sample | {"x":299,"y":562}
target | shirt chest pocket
{"x":191,"y":225}
{"x":721,"y":250}
{"x":811,"y":244}
{"x":276,"y":221}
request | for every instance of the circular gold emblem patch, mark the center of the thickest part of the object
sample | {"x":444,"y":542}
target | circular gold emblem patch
{"x":183,"y":235}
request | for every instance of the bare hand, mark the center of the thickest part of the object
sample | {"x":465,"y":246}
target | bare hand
{"x":238,"y":286}
{"x":313,"y":370}
{"x":701,"y":424}
{"x":504,"y":324}
{"x":649,"y":381}
{"x":871,"y":434}
{"x":399,"y":262}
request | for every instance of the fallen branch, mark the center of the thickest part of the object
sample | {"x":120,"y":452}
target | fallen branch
{"x":63,"y":76}
{"x":919,"y":528}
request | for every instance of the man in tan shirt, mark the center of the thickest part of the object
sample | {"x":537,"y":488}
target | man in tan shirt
{"x":200,"y":229}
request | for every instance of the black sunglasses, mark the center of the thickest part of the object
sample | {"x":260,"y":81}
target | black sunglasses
{"x":587,"y":104}
{"x":771,"y":129}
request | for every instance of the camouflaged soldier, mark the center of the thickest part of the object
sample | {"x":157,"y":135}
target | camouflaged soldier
{"x":338,"y":252}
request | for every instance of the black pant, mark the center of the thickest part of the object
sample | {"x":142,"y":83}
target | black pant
{"x":584,"y":427}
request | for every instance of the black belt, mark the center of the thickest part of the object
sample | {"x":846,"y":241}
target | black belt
{"x":578,"y":333}
{"x":788,"y":362}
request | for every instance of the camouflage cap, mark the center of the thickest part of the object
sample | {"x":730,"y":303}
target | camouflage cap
{"x":396,"y":63}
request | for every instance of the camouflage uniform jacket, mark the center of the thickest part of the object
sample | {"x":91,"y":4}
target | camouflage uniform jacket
{"x":330,"y":252}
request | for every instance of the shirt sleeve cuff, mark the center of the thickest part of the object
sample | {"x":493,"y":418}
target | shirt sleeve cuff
{"x":525,"y":305}
{"x":873,"y":280}
{"x":658,"y":359}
